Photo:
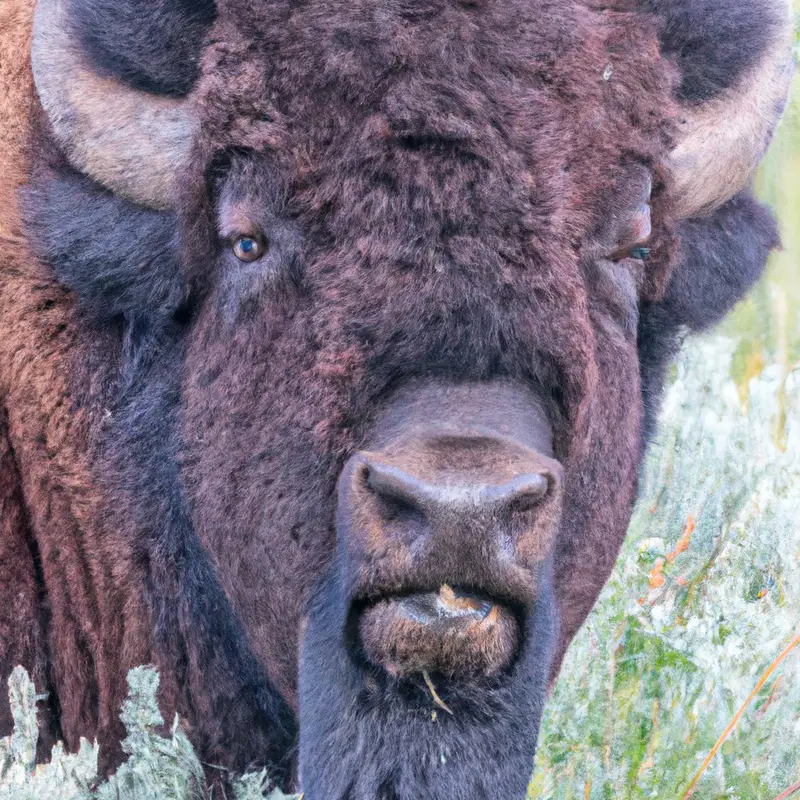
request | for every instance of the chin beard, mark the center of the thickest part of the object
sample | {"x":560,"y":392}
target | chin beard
{"x":366,"y":735}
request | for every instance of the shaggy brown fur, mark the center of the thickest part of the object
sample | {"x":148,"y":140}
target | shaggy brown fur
{"x":441,"y":184}
{"x":15,"y":101}
{"x":24,"y":617}
{"x":50,"y":435}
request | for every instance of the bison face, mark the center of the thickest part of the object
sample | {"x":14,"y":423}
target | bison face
{"x":387,"y":291}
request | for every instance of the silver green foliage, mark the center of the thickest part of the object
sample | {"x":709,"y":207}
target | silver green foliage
{"x":65,"y":777}
{"x":157,"y":768}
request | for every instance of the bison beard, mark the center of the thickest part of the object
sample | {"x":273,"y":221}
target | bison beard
{"x":381,"y":738}
{"x":353,"y":498}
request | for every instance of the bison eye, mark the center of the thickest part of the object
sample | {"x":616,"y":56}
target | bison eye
{"x":633,"y":240}
{"x":637,"y":252}
{"x":249,"y":248}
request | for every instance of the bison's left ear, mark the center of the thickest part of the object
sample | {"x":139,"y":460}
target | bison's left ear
{"x":736,"y":64}
{"x":720,"y":257}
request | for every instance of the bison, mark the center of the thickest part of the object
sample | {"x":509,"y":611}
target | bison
{"x":333,"y":335}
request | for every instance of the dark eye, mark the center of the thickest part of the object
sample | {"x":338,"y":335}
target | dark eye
{"x":638,"y":252}
{"x":633,"y":240}
{"x":249,"y":248}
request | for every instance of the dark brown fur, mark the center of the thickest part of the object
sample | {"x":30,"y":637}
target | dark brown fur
{"x":437,"y":180}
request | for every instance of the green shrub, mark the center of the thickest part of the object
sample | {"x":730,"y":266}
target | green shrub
{"x":157,"y":768}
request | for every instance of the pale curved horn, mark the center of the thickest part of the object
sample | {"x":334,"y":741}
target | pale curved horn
{"x":132,"y":142}
{"x":721,"y":141}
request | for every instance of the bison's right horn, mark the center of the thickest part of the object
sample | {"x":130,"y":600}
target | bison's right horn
{"x":722,"y":139}
{"x":132,"y":142}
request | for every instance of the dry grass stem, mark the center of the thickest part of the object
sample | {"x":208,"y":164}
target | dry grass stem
{"x":758,"y":687}
{"x":789,"y":792}
{"x":434,"y":694}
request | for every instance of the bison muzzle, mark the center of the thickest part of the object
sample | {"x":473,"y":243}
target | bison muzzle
{"x":446,"y":524}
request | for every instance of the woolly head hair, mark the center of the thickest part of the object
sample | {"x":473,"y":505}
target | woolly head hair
{"x":111,"y":77}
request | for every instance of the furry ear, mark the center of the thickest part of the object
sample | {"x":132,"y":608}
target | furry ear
{"x":122,"y":260}
{"x":153,"y":45}
{"x":719,"y":259}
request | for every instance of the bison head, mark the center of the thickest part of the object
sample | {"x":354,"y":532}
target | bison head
{"x":379,"y":299}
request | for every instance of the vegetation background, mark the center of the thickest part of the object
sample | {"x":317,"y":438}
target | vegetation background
{"x":706,"y":595}
{"x":686,"y":679}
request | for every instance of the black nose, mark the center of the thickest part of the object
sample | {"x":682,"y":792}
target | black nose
{"x":452,"y":494}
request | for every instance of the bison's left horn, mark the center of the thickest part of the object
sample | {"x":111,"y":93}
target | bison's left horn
{"x":721,"y":140}
{"x":133,"y":142}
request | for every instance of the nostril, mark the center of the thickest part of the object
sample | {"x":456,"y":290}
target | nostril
{"x":521,"y":493}
{"x":400,"y":497}
{"x":391,"y":483}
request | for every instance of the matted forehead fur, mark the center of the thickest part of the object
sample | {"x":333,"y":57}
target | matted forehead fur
{"x":443,"y":160}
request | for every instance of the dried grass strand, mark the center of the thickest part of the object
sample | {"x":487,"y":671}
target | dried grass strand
{"x":435,"y":695}
{"x":760,"y":685}
{"x":789,"y":792}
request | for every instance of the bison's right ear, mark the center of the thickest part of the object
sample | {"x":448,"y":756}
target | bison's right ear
{"x":735,"y":61}
{"x":121,"y":260}
{"x":111,"y":75}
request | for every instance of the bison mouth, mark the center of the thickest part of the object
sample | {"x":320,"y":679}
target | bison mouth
{"x":454,"y":632}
